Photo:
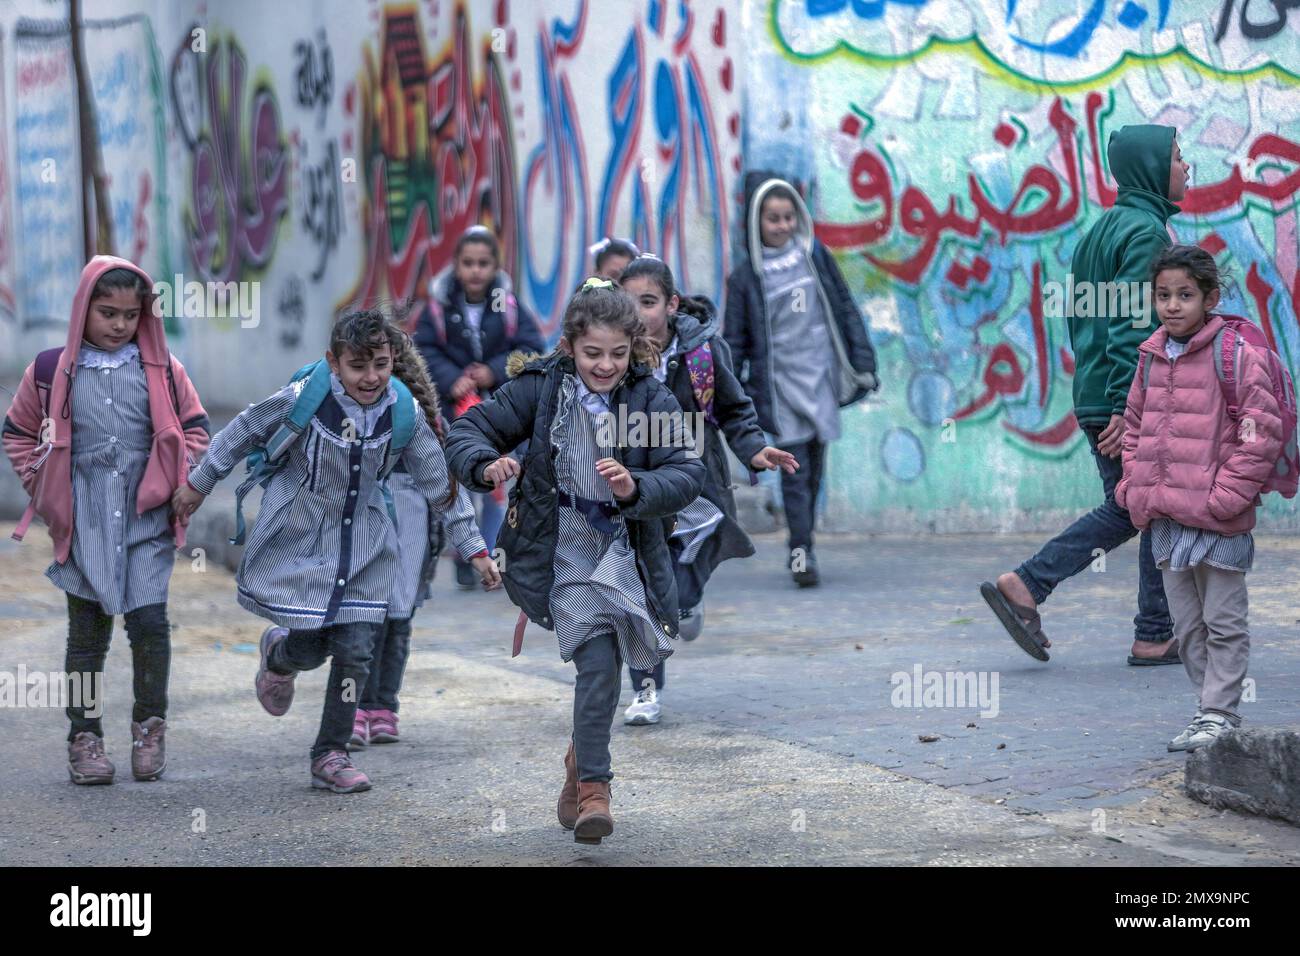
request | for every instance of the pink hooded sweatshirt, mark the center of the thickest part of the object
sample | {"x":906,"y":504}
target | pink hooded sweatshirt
{"x":1185,"y":457}
{"x":42,"y":455}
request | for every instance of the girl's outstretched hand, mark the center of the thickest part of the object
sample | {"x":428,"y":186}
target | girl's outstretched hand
{"x":488,"y":572}
{"x":501,"y":471}
{"x":772,"y":458}
{"x":186,"y":501}
{"x":620,"y":479}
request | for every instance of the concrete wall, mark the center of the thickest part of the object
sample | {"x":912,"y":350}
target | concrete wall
{"x":329,"y":154}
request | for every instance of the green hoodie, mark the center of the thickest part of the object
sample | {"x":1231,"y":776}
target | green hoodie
{"x":1119,"y":248}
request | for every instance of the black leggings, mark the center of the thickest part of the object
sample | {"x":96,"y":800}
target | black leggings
{"x":89,"y":632}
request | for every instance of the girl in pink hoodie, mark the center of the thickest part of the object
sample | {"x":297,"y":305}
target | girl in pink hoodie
{"x":101,"y":432}
{"x":1193,"y":473}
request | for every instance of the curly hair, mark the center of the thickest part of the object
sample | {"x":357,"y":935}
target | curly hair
{"x":365,"y":331}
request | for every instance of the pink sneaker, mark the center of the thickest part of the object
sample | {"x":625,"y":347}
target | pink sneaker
{"x":87,"y":763}
{"x":148,"y":750}
{"x":383,"y":727}
{"x":274,"y":691}
{"x":334,"y":771}
{"x":360,"y":730}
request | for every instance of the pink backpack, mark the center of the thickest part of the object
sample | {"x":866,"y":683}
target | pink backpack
{"x":1238,"y":332}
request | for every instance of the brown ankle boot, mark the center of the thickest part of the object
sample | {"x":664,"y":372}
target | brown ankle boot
{"x":594,"y":819}
{"x":567,"y":807}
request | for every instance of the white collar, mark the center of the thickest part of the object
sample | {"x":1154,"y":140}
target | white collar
{"x":362,"y":414}
{"x":92,"y":356}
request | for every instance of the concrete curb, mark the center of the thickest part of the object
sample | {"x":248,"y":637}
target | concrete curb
{"x":1254,"y":771}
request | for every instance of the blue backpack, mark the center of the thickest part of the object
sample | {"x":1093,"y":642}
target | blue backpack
{"x":262,"y":464}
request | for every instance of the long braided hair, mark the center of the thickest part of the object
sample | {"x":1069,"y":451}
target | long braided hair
{"x":365,"y":330}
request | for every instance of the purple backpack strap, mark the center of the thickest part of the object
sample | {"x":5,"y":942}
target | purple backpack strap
{"x":45,"y":365}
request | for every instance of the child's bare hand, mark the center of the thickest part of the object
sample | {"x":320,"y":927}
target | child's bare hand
{"x":772,"y":458}
{"x":462,"y":387}
{"x":488,"y":572}
{"x":186,"y":501}
{"x":620,"y":479}
{"x":501,"y":471}
{"x":481,"y":374}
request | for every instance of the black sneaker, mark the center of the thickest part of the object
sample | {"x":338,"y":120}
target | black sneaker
{"x":466,"y":576}
{"x":803,"y":567}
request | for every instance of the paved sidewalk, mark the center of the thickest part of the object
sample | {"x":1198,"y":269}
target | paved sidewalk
{"x":780,"y":742}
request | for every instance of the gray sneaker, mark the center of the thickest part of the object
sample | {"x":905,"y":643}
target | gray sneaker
{"x":88,"y":765}
{"x":1208,"y":731}
{"x":148,"y":749}
{"x":690,"y":622}
{"x":1180,"y":742}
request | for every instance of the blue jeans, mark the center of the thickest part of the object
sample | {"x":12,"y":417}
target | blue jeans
{"x":1106,"y":527}
{"x":490,"y":517}
{"x":348,"y":647}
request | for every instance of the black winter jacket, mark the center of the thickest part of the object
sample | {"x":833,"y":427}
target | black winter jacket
{"x":668,"y":479}
{"x":746,"y":329}
{"x":446,"y":341}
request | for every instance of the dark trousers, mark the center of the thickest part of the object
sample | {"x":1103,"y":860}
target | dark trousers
{"x":89,"y":632}
{"x":392,"y":647}
{"x":799,"y":492}
{"x":595,"y":701}
{"x":349,"y":648}
{"x":1106,"y":527}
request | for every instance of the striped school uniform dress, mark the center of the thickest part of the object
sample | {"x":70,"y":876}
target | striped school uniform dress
{"x":416,"y":536}
{"x":323,"y":550}
{"x":597,"y":589}
{"x":119,"y":559}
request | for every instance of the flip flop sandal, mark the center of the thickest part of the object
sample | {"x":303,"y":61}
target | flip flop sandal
{"x":1022,"y":623}
{"x":1168,"y":657}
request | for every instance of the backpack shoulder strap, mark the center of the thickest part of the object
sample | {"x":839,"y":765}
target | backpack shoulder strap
{"x":403,"y":426}
{"x":1227,"y":359}
{"x":46,"y":363}
{"x":316,"y":378}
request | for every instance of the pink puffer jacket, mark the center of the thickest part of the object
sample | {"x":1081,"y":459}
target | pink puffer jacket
{"x":1184,"y":457}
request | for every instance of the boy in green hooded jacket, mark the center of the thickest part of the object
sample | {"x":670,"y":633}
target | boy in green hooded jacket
{"x":1109,"y":315}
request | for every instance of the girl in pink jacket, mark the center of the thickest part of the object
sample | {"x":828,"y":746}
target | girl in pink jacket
{"x":1193,"y":473}
{"x":101,"y":432}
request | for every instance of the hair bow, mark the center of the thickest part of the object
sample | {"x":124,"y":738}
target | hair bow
{"x":596,"y":282}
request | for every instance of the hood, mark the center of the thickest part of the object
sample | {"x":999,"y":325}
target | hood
{"x":691,"y":330}
{"x":1140,"y":157}
{"x":445,"y":284}
{"x":149,"y":336}
{"x":756,"y":195}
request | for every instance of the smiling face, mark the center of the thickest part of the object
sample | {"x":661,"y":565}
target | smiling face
{"x":777,"y":221}
{"x":651,"y":305}
{"x":1181,"y":304}
{"x":1178,"y":174}
{"x":602,"y":355}
{"x":475,"y":269}
{"x":113,"y":319}
{"x":364,"y":378}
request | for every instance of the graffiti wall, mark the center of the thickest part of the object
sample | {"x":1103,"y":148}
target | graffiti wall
{"x":959,"y":152}
{"x":332,"y":160}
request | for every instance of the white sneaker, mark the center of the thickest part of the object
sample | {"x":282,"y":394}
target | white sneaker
{"x":1180,"y":742}
{"x":644,"y":708}
{"x":1208,"y":730}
